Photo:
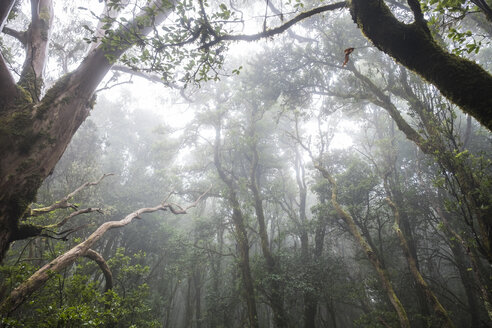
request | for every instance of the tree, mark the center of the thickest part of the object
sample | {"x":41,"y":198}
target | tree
{"x":36,"y":126}
{"x":35,"y":129}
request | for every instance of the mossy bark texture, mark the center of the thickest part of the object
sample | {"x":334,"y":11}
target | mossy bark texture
{"x":35,"y":130}
{"x":368,"y":250}
{"x":463,"y":82}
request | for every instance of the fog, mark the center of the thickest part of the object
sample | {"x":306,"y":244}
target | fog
{"x":283,"y":182}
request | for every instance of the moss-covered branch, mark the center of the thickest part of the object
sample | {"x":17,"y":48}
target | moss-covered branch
{"x":462,"y":81}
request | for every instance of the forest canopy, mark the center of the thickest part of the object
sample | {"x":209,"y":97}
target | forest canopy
{"x":245,"y":163}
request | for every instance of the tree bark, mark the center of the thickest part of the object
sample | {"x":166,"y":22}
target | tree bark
{"x":34,"y":135}
{"x":276,"y":295}
{"x":371,"y":255}
{"x":441,"y":313}
{"x":37,"y":41}
{"x":463,"y":82}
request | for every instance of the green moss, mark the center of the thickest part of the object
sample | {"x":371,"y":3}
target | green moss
{"x":52,"y":95}
{"x":31,"y":83}
{"x":27,"y":230}
{"x":19,"y":203}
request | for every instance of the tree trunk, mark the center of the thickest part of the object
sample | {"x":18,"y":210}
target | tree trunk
{"x":34,"y":135}
{"x":473,"y":192}
{"x":275,"y":286}
{"x":441,"y":313}
{"x":241,"y":236}
{"x":371,"y":255}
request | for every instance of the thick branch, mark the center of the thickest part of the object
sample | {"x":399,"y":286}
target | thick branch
{"x":413,"y":46}
{"x":417,"y":13}
{"x":20,"y":36}
{"x":96,"y":257}
{"x":482,"y":4}
{"x":8,"y":89}
{"x":63,"y":203}
{"x":37,"y":41}
{"x":36,"y":281}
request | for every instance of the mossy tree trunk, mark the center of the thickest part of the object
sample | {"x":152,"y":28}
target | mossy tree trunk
{"x":35,"y":130}
{"x":463,"y":82}
{"x":368,"y":250}
{"x":475,"y":193}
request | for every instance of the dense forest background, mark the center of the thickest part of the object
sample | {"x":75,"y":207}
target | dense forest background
{"x":296,"y":183}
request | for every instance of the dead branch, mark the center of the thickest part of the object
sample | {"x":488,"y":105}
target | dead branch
{"x":72,"y":215}
{"x":96,"y":257}
{"x":152,"y":78}
{"x":64,"y":202}
{"x":20,"y":294}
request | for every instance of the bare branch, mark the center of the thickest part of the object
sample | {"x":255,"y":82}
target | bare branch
{"x":107,"y":86}
{"x":37,"y":280}
{"x":96,"y":257}
{"x":176,"y":209}
{"x":291,"y":33}
{"x":72,"y":215}
{"x":150,"y":77}
{"x":64,"y":202}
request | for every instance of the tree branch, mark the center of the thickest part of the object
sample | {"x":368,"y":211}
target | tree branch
{"x":20,"y":36}
{"x":291,"y":33}
{"x":37,"y":280}
{"x":96,"y":257}
{"x":37,"y":43}
{"x":64,"y":202}
{"x":72,"y":215}
{"x":152,"y":78}
{"x":412,"y":46}
{"x":417,"y":13}
{"x":280,"y":29}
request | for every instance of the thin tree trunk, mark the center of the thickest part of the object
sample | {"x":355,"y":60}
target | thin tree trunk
{"x":276,"y":294}
{"x":241,"y":236}
{"x":479,"y":204}
{"x":441,"y":313}
{"x":371,"y":255}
